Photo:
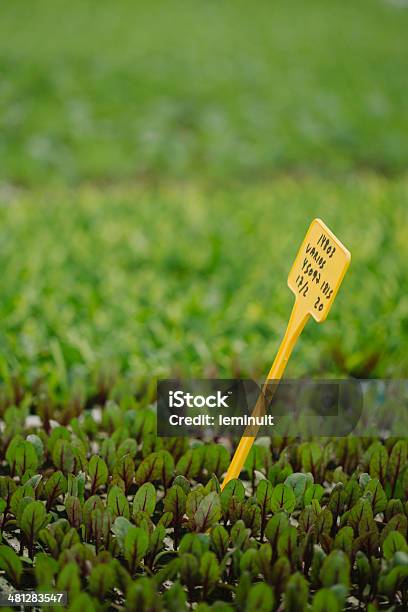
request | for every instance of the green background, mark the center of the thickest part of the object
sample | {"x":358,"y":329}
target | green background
{"x":160,"y":164}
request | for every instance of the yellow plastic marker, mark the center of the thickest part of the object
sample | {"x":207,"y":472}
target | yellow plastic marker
{"x":315,"y":278}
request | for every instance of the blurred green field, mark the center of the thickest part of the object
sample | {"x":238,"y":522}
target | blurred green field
{"x":160,"y":164}
{"x":192,"y":279}
{"x":95,"y":90}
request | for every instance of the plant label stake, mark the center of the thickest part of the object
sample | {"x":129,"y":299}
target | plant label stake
{"x":315,"y":278}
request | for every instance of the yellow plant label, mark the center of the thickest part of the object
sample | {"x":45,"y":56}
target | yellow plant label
{"x":315,"y":278}
{"x":318,"y":270}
